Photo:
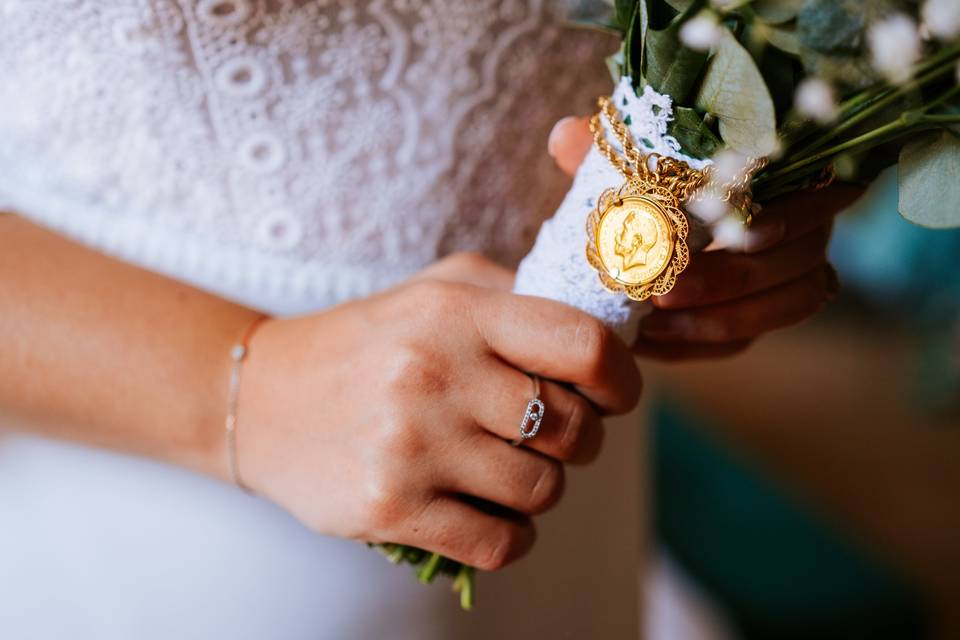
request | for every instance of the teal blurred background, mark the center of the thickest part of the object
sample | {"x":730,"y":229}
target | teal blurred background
{"x":828,"y":504}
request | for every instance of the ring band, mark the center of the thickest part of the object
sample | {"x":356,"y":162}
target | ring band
{"x":534,"y":413}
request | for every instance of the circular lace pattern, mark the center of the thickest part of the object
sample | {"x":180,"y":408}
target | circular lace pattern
{"x":315,"y":148}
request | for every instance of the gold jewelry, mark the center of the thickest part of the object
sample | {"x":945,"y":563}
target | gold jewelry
{"x":637,"y":233}
{"x":238,"y":353}
{"x":826,"y":177}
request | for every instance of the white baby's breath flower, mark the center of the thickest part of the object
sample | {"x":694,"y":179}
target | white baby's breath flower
{"x":815,"y":99}
{"x":894,"y":46}
{"x":709,"y":208}
{"x":702,"y":31}
{"x":942,"y":18}
{"x":729,"y":233}
{"x":728,"y":165}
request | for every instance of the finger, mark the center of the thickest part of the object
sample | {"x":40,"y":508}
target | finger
{"x":492,"y":469}
{"x":569,"y":142}
{"x":558,"y":342}
{"x":464,"y":533}
{"x":570,"y":431}
{"x":721,"y":276}
{"x":469,"y":268}
{"x":731,"y":234}
{"x":784,"y":219}
{"x":683,"y":351}
{"x":745,"y":318}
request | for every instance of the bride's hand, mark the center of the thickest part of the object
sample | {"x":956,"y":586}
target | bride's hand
{"x":773,"y":276}
{"x":387,"y":418}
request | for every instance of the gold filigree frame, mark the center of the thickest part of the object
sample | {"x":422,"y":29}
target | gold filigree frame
{"x":668,"y":204}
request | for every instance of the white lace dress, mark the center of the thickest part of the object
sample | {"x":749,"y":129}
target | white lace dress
{"x":288,"y":154}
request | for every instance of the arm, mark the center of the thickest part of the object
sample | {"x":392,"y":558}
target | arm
{"x":97,"y":351}
{"x":382,"y":419}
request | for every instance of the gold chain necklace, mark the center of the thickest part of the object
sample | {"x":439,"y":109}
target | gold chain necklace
{"x":637,"y":233}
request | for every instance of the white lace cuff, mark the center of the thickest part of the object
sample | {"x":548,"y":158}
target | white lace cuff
{"x":556,"y":266}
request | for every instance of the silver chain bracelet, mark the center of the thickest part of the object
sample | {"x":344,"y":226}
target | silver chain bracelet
{"x":238,"y":354}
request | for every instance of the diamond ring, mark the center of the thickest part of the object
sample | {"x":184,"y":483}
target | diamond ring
{"x":530,"y":424}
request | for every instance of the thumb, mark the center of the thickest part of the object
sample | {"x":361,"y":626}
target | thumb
{"x":569,"y":142}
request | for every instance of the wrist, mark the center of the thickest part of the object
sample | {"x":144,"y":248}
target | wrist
{"x":204,"y":448}
{"x":263,"y":377}
{"x":238,"y":355}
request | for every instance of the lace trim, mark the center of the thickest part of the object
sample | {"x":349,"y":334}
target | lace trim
{"x":556,"y":267}
{"x":650,"y":116}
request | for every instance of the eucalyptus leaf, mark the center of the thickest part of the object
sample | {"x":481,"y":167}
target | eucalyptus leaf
{"x":734,"y":91}
{"x":623,"y":11}
{"x":929,"y":178}
{"x":784,"y":39}
{"x":633,"y":38}
{"x":636,"y":49}
{"x":831,"y":26}
{"x":848,"y":72}
{"x":669,"y":67}
{"x":695,"y":137}
{"x":776,"y":11}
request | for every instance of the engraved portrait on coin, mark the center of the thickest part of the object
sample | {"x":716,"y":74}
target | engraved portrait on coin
{"x":635,"y":241}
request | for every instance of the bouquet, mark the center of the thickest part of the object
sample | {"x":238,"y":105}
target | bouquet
{"x":720,"y":106}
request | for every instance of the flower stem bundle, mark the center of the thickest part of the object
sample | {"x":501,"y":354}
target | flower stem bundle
{"x":823,"y":88}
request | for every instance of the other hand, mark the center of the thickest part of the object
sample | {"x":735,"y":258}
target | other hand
{"x":387,"y":419}
{"x":771,"y":276}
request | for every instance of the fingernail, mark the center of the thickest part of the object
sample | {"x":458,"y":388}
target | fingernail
{"x":833,"y":282}
{"x":553,"y":140}
{"x":709,"y":210}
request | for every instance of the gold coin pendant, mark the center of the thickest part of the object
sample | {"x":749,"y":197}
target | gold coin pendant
{"x":635,"y":240}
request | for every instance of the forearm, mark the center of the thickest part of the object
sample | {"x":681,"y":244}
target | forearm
{"x":98,"y":351}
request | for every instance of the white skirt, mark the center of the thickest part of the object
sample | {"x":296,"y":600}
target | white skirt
{"x":98,"y":545}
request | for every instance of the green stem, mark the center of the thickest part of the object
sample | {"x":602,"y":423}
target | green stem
{"x":852,"y":104}
{"x":937,"y":61}
{"x":801,"y":176}
{"x":883,"y":102}
{"x":429,"y":570}
{"x":804,"y":130}
{"x":947,"y":54}
{"x":867,"y":102}
{"x":463,"y":584}
{"x":942,"y":99}
{"x":868,"y":137}
{"x":395,"y":553}
{"x":907,"y":120}
{"x":768,"y":185}
{"x":628,"y":44}
{"x":940,"y":119}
